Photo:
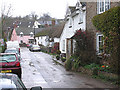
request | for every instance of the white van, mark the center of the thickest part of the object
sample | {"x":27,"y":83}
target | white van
{"x":13,"y":44}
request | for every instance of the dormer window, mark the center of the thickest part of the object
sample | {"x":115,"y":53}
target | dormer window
{"x":21,"y":34}
{"x":29,"y":26}
{"x":31,"y":34}
{"x":70,"y":22}
{"x":77,"y":6}
{"x":81,"y":17}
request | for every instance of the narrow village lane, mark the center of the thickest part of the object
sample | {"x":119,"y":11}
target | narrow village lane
{"x":39,"y":70}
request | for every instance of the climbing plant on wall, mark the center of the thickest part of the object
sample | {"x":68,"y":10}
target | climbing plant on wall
{"x":109,"y":24}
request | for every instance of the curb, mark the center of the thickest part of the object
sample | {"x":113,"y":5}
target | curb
{"x":59,"y":62}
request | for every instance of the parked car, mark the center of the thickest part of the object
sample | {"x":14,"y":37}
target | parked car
{"x":9,"y":63}
{"x":13,"y":50}
{"x":10,"y":81}
{"x":35,"y":48}
{"x":29,"y":45}
{"x":13,"y":44}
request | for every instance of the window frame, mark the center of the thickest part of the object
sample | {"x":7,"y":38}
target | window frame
{"x":70,"y":22}
{"x":101,"y":5}
{"x":98,"y":41}
{"x":80,"y":17}
{"x":21,"y":34}
{"x":63,"y":47}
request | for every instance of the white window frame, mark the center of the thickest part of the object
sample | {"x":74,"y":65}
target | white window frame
{"x":21,"y":34}
{"x":63,"y":47}
{"x":98,"y":43}
{"x":70,"y":22}
{"x":81,"y":17}
{"x":103,"y":5}
{"x":31,"y":34}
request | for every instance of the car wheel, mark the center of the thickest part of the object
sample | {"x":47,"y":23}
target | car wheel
{"x":19,"y":75}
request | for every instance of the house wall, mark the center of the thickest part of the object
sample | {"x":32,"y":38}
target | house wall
{"x":69,"y":32}
{"x":37,"y":40}
{"x":42,"y":40}
{"x":63,"y":38}
{"x":15,"y":37}
{"x":91,"y":11}
{"x":25,"y":39}
{"x":56,"y":40}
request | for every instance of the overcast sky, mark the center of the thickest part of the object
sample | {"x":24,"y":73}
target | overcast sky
{"x":56,"y":8}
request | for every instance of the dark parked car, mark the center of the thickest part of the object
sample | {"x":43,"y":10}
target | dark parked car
{"x":10,"y":81}
{"x":35,"y":48}
{"x":9,"y":63}
{"x":29,"y":45}
{"x":13,"y":50}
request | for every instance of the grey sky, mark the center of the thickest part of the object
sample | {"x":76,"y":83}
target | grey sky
{"x":56,"y":8}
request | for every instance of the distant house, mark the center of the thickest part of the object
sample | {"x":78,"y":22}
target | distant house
{"x":50,"y":35}
{"x":46,"y":22}
{"x":75,"y":20}
{"x":23,"y":32}
{"x":23,"y":35}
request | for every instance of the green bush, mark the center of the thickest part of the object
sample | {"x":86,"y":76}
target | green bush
{"x":85,"y":47}
{"x":76,"y":64}
{"x":109,"y":24}
{"x":57,"y":57}
{"x":58,"y":52}
{"x":91,"y":66}
{"x":68,"y":64}
{"x":63,"y":59}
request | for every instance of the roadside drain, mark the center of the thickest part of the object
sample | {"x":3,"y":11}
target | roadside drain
{"x":69,"y":74}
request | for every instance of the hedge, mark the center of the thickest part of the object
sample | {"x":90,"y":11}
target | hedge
{"x":109,"y":24}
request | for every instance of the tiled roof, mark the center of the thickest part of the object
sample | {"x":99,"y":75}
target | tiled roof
{"x":72,"y":8}
{"x":53,"y":31}
{"x":27,"y":30}
{"x":25,"y":23}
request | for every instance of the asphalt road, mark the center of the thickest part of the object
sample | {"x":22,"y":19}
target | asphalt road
{"x":38,"y":69}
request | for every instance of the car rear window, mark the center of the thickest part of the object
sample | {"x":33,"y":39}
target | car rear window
{"x":7,"y":58}
{"x":11,"y":51}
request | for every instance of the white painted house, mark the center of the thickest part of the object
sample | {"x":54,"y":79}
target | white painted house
{"x":75,"y":20}
{"x":50,"y":35}
{"x":42,"y":40}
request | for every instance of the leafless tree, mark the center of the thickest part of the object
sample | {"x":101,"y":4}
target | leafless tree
{"x":5,"y":19}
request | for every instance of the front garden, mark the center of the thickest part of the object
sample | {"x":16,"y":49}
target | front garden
{"x":85,"y":60}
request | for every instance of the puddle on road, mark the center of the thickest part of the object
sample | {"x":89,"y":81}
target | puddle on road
{"x":33,"y":73}
{"x":56,"y":81}
{"x":69,"y":74}
{"x":34,"y":70}
{"x":31,"y":64}
{"x":38,"y":61}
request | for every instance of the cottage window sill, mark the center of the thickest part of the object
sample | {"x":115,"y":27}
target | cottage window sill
{"x":80,"y":22}
{"x":70,"y":26}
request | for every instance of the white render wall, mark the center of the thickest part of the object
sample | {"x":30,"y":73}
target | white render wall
{"x":69,"y":32}
{"x":56,"y":40}
{"x":42,"y":40}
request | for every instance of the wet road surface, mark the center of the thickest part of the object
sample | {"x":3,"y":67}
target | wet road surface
{"x":38,"y":69}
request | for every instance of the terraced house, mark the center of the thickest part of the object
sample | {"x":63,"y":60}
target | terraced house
{"x":80,"y":17}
